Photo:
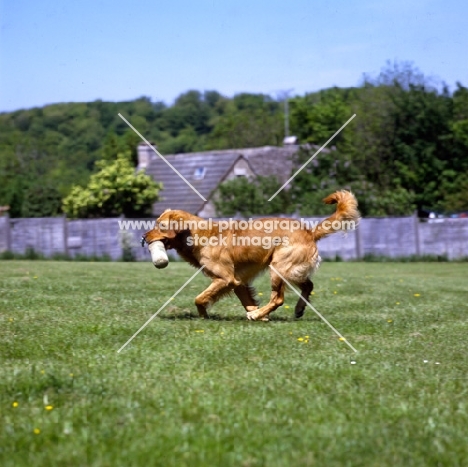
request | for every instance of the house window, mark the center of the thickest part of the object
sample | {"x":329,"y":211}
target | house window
{"x":240,"y":172}
{"x":199,"y":173}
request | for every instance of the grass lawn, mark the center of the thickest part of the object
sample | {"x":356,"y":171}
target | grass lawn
{"x":227,"y":392}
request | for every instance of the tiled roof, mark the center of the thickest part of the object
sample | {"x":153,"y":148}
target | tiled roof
{"x":266,"y":160}
{"x":176,"y":194}
{"x":271,"y":160}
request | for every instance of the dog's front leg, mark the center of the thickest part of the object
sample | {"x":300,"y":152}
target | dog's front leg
{"x":215,"y":290}
{"x":246,"y":294}
{"x":201,"y":310}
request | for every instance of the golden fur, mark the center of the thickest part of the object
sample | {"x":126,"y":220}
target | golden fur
{"x":232,"y":268}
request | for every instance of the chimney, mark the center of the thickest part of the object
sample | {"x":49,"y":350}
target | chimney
{"x":145,"y":154}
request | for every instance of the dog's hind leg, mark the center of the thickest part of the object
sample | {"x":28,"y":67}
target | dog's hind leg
{"x":246,"y":294}
{"x":306,"y":290}
{"x":276,"y":299}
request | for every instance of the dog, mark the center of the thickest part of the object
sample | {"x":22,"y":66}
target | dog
{"x":291,"y":254}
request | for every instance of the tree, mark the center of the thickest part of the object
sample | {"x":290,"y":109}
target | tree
{"x":407,"y":135}
{"x":316,"y":117}
{"x":250,"y":197}
{"x":459,"y":126}
{"x":407,"y":146}
{"x":115,"y":190}
{"x":248,"y":120}
{"x":400,"y":152}
{"x":41,"y":200}
{"x":189,"y":110}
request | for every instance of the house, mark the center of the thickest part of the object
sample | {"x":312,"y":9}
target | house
{"x":206,"y":170}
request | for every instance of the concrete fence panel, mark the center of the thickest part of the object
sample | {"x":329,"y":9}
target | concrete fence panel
{"x":44,"y":235}
{"x":342,"y":244}
{"x":393,"y":237}
{"x":94,"y":237}
{"x":4,"y":234}
{"x":444,"y":237}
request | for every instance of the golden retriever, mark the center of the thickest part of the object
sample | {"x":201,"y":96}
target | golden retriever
{"x":233,"y":255}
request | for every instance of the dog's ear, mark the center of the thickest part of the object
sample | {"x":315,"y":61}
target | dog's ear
{"x":163,"y":230}
{"x":172,"y":223}
{"x":168,"y":233}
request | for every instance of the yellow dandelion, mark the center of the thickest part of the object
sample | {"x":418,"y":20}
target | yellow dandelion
{"x":11,"y":320}
{"x":199,"y":330}
{"x":313,"y":293}
{"x":397,"y":303}
{"x":71,"y":374}
{"x":300,"y":339}
{"x":286,"y":306}
{"x":389,"y":320}
{"x":342,"y":339}
{"x":49,"y":407}
{"x":42,"y":372}
{"x":290,"y":333}
{"x":15,"y":404}
{"x":306,"y":341}
{"x":335,"y":291}
{"x":36,"y":431}
{"x":306,"y":337}
{"x":417,"y":295}
{"x":260,"y":293}
{"x":35,"y":277}
{"x":222,"y":333}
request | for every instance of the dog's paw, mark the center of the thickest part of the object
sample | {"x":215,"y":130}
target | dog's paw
{"x":254,"y":316}
{"x":298,"y":313}
{"x":251,"y":315}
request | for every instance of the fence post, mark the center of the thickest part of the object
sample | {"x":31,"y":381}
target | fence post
{"x":8,"y":232}
{"x":358,"y":242}
{"x":416,"y":234}
{"x":65,"y":235}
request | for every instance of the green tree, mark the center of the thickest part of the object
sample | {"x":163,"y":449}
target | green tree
{"x":186,"y":141}
{"x":248,"y":120}
{"x":250,"y":197}
{"x":459,"y":126}
{"x":327,"y":172}
{"x":371,"y":147}
{"x":115,"y":190}
{"x":406,"y":135}
{"x":189,"y":110}
{"x":316,"y":117}
{"x":407,"y":146}
{"x":41,"y":200}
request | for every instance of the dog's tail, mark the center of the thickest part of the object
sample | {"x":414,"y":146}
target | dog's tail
{"x":346,"y":216}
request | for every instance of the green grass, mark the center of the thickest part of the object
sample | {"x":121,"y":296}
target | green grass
{"x":227,"y":392}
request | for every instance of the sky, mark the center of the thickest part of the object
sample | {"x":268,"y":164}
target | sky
{"x":78,"y":51}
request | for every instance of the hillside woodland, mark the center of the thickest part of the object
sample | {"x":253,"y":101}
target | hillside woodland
{"x":406,"y":149}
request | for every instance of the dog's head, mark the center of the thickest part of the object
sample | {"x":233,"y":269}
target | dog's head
{"x":169,"y":228}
